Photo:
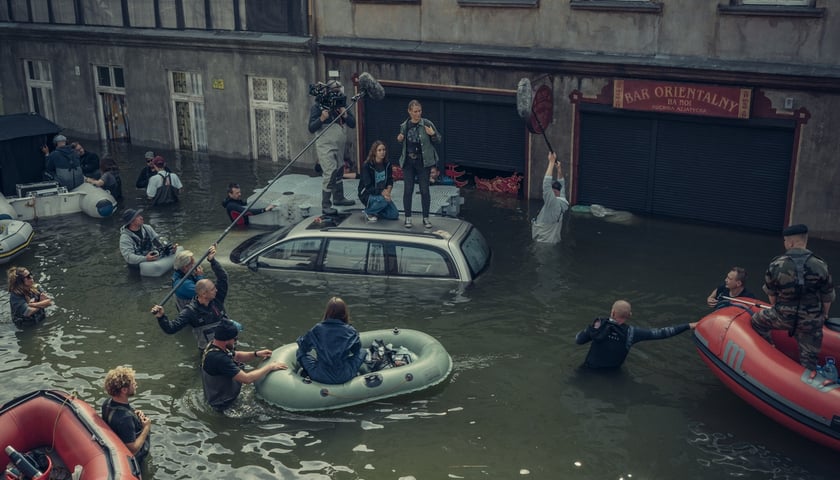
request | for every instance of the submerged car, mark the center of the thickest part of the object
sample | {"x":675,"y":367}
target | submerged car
{"x":347,"y":244}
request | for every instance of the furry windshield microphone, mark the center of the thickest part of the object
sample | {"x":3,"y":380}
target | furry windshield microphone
{"x":371,"y":87}
{"x":524,"y":97}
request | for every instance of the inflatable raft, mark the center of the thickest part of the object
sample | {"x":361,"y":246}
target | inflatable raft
{"x":70,"y":430}
{"x":771,"y":379}
{"x":159,"y":266}
{"x":47,"y":199}
{"x":430,"y":364}
{"x":15,"y":236}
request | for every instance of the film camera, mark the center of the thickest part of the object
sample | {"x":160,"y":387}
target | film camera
{"x":327,"y":97}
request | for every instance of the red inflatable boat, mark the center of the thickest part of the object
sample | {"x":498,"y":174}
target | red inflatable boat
{"x":70,"y":429}
{"x":771,"y":379}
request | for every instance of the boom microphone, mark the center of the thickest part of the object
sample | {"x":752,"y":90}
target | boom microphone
{"x":524,"y":97}
{"x":371,"y":87}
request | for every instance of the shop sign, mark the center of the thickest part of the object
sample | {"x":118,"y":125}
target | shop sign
{"x":682,"y":98}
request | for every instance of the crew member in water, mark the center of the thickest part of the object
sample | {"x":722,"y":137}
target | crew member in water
{"x":612,"y":337}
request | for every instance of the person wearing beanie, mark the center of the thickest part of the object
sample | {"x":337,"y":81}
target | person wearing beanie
{"x":800,"y":289}
{"x":547,"y":227}
{"x":221,"y":373}
{"x":147,"y":171}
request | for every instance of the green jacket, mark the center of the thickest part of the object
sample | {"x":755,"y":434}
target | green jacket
{"x":430,"y":155}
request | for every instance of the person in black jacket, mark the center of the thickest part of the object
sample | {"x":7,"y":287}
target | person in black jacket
{"x":234,"y":205}
{"x":204,"y":312}
{"x":376,"y":183}
{"x":612,"y":338}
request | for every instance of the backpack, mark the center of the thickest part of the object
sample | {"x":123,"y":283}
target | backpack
{"x":166,"y":193}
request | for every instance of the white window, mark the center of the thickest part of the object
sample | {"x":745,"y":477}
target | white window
{"x":187,"y":94}
{"x":269,"y":105}
{"x":110,"y":99}
{"x":39,"y":88}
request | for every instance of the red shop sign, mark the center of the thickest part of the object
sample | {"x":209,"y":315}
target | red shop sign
{"x":682,"y":98}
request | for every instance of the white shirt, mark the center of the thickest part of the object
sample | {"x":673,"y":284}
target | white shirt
{"x":156,"y":181}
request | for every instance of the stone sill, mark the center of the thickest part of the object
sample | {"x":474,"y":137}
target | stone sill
{"x":770,"y":11}
{"x":500,"y":3}
{"x":642,"y":6}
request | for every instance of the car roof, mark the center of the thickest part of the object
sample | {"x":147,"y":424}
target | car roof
{"x":443,"y":227}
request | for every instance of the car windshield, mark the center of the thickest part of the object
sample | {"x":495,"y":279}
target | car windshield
{"x":476,"y":251}
{"x":265,"y":240}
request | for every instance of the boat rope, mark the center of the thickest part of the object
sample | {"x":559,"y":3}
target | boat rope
{"x":67,"y":399}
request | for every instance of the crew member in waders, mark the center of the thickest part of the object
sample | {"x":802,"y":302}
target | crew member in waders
{"x":546,"y":228}
{"x":612,"y":337}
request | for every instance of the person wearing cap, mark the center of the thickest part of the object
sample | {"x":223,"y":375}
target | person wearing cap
{"x":547,"y":227}
{"x":733,"y":287}
{"x":164,"y":186}
{"x":221,"y":373}
{"x":138,"y":242}
{"x":330,"y":144}
{"x":184,"y":261}
{"x":147,"y":171}
{"x":204,"y":312}
{"x":62,"y":164}
{"x":799,"y":287}
{"x":613,"y":337}
{"x":234,"y":205}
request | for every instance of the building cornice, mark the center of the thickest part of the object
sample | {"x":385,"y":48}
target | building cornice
{"x":823,"y":78}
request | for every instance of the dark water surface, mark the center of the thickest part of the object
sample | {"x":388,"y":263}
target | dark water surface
{"x":516,"y":406}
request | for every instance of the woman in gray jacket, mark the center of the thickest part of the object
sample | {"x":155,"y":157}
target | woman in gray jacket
{"x":418,"y":157}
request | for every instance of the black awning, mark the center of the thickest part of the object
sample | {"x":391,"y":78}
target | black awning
{"x":20,"y":125}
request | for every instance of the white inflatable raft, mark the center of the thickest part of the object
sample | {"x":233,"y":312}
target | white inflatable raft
{"x":430,"y":364}
{"x":159,"y":266}
{"x":15,"y":236}
{"x":47,"y":199}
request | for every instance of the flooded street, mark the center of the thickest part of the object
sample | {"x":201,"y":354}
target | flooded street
{"x":516,"y":406}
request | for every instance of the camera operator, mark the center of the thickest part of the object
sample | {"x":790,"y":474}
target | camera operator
{"x":330,"y":103}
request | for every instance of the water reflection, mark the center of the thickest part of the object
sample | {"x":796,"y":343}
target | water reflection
{"x":515,"y":406}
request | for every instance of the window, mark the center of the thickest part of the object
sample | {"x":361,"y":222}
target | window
{"x":422,"y":262}
{"x":187,"y":94}
{"x":269,"y":99}
{"x":299,"y":254}
{"x":476,"y":251}
{"x":499,"y":3}
{"x":639,"y":6}
{"x":39,"y":88}
{"x":348,"y":256}
{"x":772,"y":8}
{"x":111,"y":101}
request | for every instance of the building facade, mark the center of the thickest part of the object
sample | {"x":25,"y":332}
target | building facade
{"x":718,"y":111}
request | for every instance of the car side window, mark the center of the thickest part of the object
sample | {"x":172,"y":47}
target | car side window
{"x":422,"y":262}
{"x":300,"y":254}
{"x":348,"y":256}
{"x":376,"y":259}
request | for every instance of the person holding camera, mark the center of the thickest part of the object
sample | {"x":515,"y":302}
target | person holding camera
{"x":330,"y":104}
{"x":139,"y":242}
{"x":546,"y":228}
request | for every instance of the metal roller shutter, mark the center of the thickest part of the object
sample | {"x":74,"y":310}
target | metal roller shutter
{"x":717,"y":170}
{"x":479,"y":130}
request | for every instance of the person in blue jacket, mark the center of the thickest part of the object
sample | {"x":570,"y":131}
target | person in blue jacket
{"x":63,"y":164}
{"x":331,"y":352}
{"x":184,"y":261}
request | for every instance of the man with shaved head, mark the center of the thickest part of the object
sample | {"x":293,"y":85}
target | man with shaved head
{"x":612,"y":337}
{"x":205,"y":311}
